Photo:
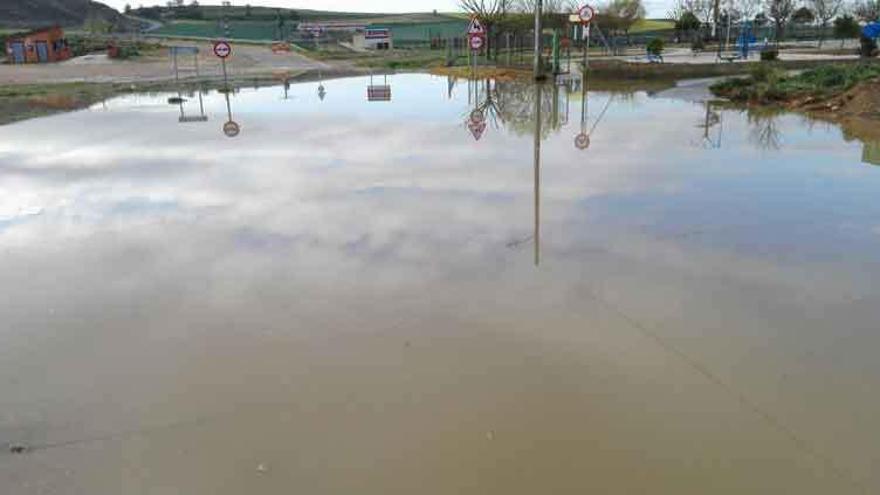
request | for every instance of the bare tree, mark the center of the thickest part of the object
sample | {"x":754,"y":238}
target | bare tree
{"x":744,"y":9}
{"x":825,"y":10}
{"x":620,"y":15}
{"x":868,"y":10}
{"x":780,"y":11}
{"x":549,"y":6}
{"x":702,"y":9}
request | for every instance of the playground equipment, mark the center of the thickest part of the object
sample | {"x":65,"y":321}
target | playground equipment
{"x":745,"y":44}
{"x":868,"y":42}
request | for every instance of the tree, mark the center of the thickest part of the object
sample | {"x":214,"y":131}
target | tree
{"x":825,"y":10}
{"x":780,"y":11}
{"x":868,"y":10}
{"x":620,"y":15}
{"x":745,"y":9}
{"x":554,"y":12}
{"x":127,"y":9}
{"x":804,"y":16}
{"x":846,"y":27}
{"x":688,"y":22}
{"x":701,"y":9}
{"x":247,"y":10}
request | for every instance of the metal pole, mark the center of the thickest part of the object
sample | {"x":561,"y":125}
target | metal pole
{"x":176,"y":73}
{"x":225,"y":77}
{"x":587,"y":51}
{"x":538,"y":69}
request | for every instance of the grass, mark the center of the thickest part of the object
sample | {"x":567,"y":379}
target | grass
{"x":768,"y":84}
{"x":251,"y":30}
{"x":20,"y":102}
{"x":649,"y":25}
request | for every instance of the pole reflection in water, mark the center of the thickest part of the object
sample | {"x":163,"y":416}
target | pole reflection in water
{"x":231,"y":128}
{"x":538,"y":96}
{"x":711,"y":121}
{"x":583,"y":140}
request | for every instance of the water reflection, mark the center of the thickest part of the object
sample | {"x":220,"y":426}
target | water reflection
{"x":378,"y":92}
{"x":712,"y":126}
{"x":180,"y":100}
{"x":765,"y":132}
{"x":231,"y":128}
{"x":871,"y":153}
{"x":300,"y":308}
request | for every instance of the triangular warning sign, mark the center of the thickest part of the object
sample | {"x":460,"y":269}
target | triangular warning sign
{"x":477,"y":129}
{"x":476,"y":27}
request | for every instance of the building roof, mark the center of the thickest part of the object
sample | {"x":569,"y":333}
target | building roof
{"x":32,"y":32}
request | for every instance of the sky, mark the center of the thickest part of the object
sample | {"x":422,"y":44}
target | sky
{"x":656,"y":8}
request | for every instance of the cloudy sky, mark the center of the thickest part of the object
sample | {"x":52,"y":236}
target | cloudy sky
{"x":655,"y":7}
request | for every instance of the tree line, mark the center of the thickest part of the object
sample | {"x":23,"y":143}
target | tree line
{"x":693,"y":15}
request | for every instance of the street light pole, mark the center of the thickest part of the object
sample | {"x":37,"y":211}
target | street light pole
{"x":539,"y":70}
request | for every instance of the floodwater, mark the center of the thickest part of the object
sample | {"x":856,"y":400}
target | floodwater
{"x":356,"y":296}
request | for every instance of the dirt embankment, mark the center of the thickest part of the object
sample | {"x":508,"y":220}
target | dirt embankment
{"x":856,"y":110}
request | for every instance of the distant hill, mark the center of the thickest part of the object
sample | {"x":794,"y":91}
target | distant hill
{"x":256,"y":13}
{"x":26,"y":14}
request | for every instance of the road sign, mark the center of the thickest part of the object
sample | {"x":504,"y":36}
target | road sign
{"x":586,"y":14}
{"x":477,"y":116}
{"x":582,"y":141}
{"x":477,"y":43}
{"x":476,"y":28}
{"x":477,"y":129}
{"x":231,"y":129}
{"x":222,"y":49}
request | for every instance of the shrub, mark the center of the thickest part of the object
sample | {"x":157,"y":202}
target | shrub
{"x":698,"y":44}
{"x":764,"y":73}
{"x":769,"y":55}
{"x":656,"y":46}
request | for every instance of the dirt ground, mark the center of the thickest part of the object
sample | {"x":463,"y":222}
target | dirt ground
{"x":158,"y":66}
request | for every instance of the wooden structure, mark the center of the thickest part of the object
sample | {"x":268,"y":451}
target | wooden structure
{"x":38,"y":47}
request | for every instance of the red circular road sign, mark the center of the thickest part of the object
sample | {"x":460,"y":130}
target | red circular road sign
{"x":222,"y":49}
{"x":477,"y":116}
{"x":477,"y":43}
{"x":586,"y":14}
{"x":582,"y":141}
{"x":231,"y":129}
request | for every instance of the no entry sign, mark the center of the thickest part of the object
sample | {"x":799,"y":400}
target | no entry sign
{"x":231,"y":129}
{"x":586,"y":14}
{"x":477,"y":43}
{"x":477,"y":116}
{"x":222,"y":49}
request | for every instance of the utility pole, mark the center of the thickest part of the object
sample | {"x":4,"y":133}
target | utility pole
{"x":539,"y":9}
{"x":717,"y":18}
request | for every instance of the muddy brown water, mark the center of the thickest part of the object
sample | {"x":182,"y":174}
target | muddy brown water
{"x":359,"y":297}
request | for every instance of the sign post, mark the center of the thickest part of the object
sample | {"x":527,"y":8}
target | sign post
{"x":585,"y":15}
{"x":222,"y":49}
{"x":476,"y":40}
